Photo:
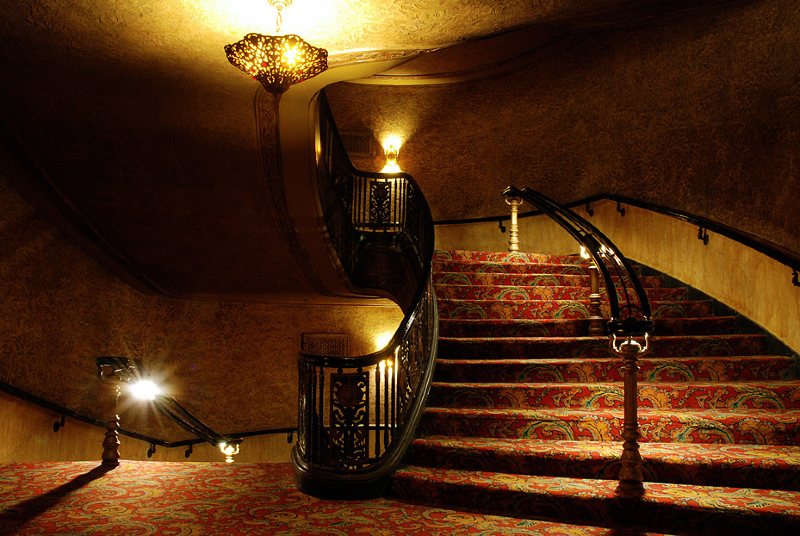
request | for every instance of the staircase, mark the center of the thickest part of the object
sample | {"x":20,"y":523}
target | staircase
{"x":524,"y":418}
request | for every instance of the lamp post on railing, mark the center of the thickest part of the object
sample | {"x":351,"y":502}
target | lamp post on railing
{"x":113,"y":371}
{"x":513,"y":230}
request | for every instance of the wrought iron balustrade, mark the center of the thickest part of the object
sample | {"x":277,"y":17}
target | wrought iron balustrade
{"x":357,"y":415}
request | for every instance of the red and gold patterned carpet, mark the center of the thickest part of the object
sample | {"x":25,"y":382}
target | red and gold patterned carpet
{"x":217,"y":499}
{"x":524,"y":419}
{"x":525,"y":414}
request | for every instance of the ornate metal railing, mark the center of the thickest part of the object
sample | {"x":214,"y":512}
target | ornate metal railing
{"x":629,"y":319}
{"x":628,"y":304}
{"x":357,"y":415}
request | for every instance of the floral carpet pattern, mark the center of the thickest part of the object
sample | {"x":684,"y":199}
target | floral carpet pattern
{"x":158,"y":498}
{"x":525,"y":415}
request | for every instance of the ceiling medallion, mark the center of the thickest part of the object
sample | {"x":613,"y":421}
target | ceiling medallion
{"x":277,"y":61}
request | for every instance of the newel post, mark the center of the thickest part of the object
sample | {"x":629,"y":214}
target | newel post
{"x":596,"y":321}
{"x":112,"y":371}
{"x":111,"y":440}
{"x":630,"y":474}
{"x":513,"y":229}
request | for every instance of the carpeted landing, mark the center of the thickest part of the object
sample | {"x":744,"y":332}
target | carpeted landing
{"x":157,"y":498}
{"x":525,"y":414}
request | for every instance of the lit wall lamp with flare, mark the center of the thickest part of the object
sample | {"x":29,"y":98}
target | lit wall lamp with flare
{"x":277,"y":61}
{"x":391,"y":148}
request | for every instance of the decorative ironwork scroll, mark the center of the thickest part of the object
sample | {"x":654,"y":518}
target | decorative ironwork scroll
{"x":349,"y":418}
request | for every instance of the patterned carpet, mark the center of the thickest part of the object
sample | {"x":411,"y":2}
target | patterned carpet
{"x":525,"y":412}
{"x":156,"y":498}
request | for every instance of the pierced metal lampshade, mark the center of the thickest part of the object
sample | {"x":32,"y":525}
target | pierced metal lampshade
{"x":277,"y":61}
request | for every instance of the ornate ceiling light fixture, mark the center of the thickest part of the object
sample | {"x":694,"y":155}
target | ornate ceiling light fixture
{"x":277,"y":61}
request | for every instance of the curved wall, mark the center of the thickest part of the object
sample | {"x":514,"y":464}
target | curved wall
{"x":699,"y":111}
{"x":232,"y":364}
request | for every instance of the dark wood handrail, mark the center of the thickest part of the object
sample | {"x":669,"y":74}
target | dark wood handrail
{"x":623,"y":327}
{"x":66,"y":412}
{"x":770,"y":249}
{"x":357,"y":415}
{"x":634,"y":317}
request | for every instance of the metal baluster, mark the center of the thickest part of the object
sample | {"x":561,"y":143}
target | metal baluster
{"x":312,"y":404}
{"x":377,"y":411}
{"x":395,"y":394}
{"x":321,"y":399}
{"x":386,"y":385}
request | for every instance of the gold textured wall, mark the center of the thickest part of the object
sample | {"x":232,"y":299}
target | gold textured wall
{"x":535,"y":234}
{"x":745,"y":280}
{"x":698,"y":111}
{"x":232,"y":364}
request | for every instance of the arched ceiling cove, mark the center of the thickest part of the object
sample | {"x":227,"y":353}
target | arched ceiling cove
{"x":124,"y":121}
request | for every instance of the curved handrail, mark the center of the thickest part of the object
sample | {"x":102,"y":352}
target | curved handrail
{"x":775,"y":251}
{"x":633,"y":318}
{"x":357,"y":415}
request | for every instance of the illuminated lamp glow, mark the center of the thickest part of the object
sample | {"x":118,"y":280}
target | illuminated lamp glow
{"x":145,"y":390}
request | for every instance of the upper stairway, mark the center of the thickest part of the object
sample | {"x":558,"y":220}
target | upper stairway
{"x":525,"y":413}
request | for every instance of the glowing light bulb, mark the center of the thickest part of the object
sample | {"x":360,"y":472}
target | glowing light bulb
{"x":290,"y":56}
{"x":145,"y":390}
{"x":584,"y":252}
{"x":229,"y":450}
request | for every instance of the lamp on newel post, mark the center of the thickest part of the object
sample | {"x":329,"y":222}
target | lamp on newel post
{"x":113,"y":371}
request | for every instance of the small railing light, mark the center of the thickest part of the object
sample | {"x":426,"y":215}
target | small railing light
{"x":229,"y":450}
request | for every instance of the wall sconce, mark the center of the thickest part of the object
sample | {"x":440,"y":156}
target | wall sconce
{"x":391,"y":148}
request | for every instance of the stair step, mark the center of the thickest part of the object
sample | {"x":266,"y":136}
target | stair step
{"x":752,"y":426}
{"x":606,"y":395}
{"x":506,"y":256}
{"x":597,"y":346}
{"x":495,"y":267}
{"x":512,"y":292}
{"x":672,"y":369}
{"x":525,"y":415}
{"x":530,"y":280}
{"x":558,"y":327}
{"x":753,"y":466}
{"x":672,"y":507}
{"x":568,"y":309}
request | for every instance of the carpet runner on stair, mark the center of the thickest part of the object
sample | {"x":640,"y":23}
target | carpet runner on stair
{"x":526,"y":410}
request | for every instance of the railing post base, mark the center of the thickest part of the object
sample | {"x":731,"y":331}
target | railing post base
{"x":111,"y":442}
